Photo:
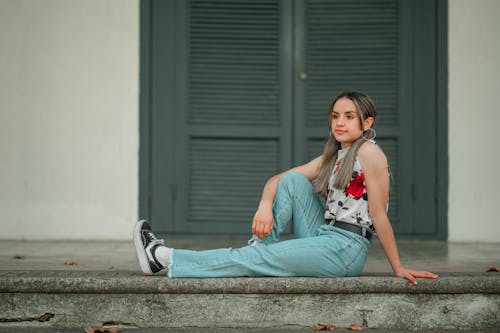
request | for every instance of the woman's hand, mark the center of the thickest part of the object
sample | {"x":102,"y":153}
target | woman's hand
{"x":412,"y":275}
{"x":263,"y":221}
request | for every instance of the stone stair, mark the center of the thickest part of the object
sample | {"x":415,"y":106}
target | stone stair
{"x":67,"y":299}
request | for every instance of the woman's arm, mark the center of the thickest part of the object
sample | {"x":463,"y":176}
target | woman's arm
{"x":263,"y":219}
{"x":374,"y":165}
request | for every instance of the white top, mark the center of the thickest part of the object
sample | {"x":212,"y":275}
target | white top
{"x":349,"y":205}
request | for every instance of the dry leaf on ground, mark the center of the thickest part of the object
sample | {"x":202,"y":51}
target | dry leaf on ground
{"x":109,"y":329}
{"x":71,"y":263}
{"x":493,"y":269}
{"x":324,"y":327}
{"x":354,"y":327}
{"x":46,"y":317}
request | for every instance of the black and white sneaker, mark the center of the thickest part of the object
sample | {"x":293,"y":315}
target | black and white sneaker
{"x":146,"y":244}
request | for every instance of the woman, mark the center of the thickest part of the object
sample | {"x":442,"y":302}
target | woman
{"x":332,"y":238}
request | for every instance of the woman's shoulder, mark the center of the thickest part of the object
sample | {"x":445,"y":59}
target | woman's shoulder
{"x":370,"y":154}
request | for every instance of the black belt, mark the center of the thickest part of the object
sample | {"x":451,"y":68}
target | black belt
{"x":352,"y":228}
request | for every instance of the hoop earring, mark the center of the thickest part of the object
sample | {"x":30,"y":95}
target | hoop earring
{"x":369,"y":134}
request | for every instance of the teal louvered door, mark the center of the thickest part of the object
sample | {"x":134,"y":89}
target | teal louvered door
{"x":241,"y":89}
{"x":234,"y":116}
{"x":363,"y":46}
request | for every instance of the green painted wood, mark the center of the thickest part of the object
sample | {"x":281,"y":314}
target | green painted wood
{"x":226,"y":179}
{"x":404,"y":133}
{"x":145,"y":111}
{"x":353,"y":45}
{"x":163,"y":113}
{"x":226,"y":92}
{"x":233,"y":104}
{"x":424,"y":119}
{"x":181,"y":75}
{"x":442,"y":119}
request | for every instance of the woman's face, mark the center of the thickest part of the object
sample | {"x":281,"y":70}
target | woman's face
{"x":346,"y":123}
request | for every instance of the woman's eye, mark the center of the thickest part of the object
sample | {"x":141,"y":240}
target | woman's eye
{"x":350,"y":117}
{"x":335,"y":116}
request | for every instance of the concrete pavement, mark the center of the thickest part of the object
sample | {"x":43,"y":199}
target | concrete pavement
{"x":438,"y":256}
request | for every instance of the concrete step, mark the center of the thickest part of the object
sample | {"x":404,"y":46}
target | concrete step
{"x":378,"y":301}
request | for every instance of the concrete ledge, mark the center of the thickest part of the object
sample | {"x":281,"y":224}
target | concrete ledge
{"x":76,"y":299}
{"x":135,"y":283}
{"x":389,"y":311}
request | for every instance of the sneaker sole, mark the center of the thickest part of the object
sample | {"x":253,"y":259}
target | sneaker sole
{"x":139,"y":249}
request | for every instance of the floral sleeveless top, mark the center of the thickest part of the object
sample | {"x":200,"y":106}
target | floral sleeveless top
{"x":349,"y":205}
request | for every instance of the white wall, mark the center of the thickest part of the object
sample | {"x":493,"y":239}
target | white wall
{"x":68,"y":118}
{"x":474,"y":118}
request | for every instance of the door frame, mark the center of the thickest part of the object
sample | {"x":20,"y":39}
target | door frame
{"x":440,"y":107}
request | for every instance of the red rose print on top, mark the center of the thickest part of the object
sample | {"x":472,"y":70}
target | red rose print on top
{"x":356,"y":186}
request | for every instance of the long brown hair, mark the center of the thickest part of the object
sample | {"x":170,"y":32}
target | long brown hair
{"x":365,"y":108}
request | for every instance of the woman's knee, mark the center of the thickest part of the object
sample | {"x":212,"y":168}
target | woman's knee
{"x":294,"y":181}
{"x":294,"y":177}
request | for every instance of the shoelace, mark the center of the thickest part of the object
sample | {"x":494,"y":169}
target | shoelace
{"x":152,"y":239}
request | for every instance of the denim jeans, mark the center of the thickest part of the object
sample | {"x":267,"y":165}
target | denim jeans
{"x":318,"y":250}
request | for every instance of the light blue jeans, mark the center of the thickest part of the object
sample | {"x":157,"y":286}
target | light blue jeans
{"x":319,"y":250}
